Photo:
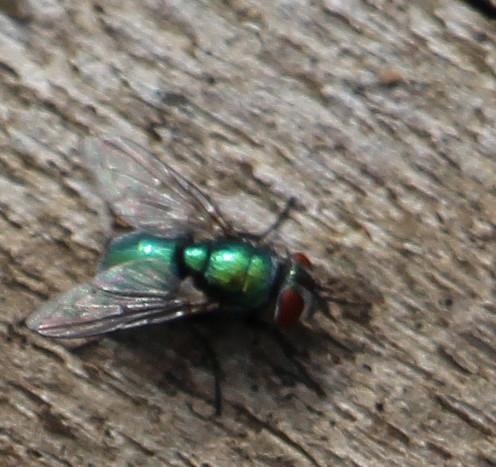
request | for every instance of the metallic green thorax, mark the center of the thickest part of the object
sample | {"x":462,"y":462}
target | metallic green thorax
{"x":231,"y":271}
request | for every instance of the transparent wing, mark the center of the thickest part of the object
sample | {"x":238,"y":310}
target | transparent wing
{"x":133,"y":294}
{"x":148,"y":193}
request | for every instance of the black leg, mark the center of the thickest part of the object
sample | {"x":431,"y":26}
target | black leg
{"x":289,"y":352}
{"x":214,"y":365}
{"x":280,"y":219}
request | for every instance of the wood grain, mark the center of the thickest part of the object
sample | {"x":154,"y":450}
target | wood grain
{"x":380,"y":116}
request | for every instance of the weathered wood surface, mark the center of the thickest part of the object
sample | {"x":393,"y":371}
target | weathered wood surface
{"x":379,"y":115}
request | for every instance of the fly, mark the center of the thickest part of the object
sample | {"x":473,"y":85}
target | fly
{"x":184,"y":258}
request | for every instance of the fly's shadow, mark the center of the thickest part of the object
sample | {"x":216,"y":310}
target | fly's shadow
{"x":211,"y":357}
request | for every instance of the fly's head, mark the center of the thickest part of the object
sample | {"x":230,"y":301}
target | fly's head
{"x":301,"y":294}
{"x":298,"y":296}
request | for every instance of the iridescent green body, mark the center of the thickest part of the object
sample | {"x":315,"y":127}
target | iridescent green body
{"x":234,"y":272}
{"x":140,"y":245}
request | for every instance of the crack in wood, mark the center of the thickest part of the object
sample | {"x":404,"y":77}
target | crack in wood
{"x":468,"y":413}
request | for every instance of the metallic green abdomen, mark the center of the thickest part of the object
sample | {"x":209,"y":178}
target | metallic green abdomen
{"x":140,"y":245}
{"x":236,"y":272}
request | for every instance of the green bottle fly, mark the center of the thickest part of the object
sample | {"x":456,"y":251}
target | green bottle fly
{"x":180,"y":234}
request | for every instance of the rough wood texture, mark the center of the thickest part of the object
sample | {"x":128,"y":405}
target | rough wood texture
{"x":379,"y":115}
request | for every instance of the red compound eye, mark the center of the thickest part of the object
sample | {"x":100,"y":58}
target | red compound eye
{"x":302,"y":259}
{"x":289,"y":307}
